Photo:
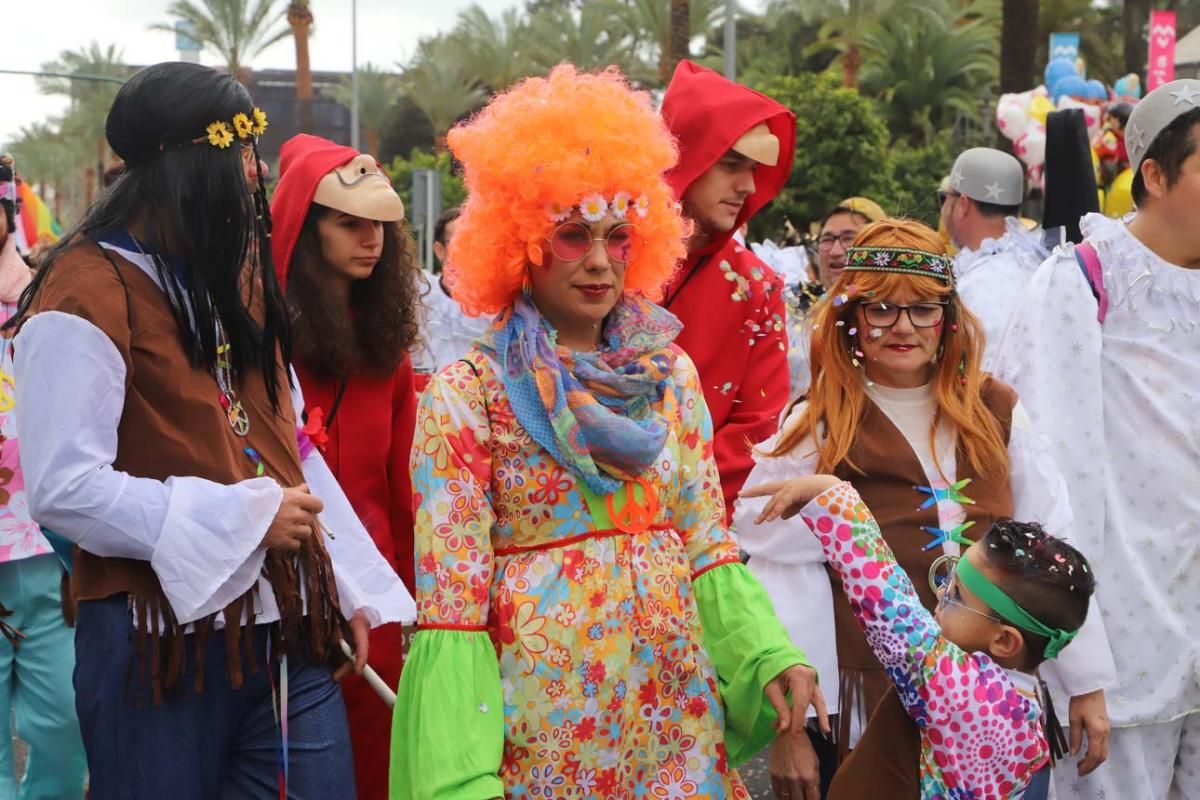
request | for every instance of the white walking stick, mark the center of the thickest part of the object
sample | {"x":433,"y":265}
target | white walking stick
{"x":372,"y":678}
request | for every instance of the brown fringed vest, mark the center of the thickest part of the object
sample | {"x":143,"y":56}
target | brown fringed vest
{"x":173,"y":424}
{"x":888,"y":488}
{"x":886,"y":763}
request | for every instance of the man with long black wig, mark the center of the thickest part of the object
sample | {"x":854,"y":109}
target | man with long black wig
{"x":217,"y":565}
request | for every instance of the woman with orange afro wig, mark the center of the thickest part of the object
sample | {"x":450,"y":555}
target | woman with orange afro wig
{"x":938,"y":449}
{"x":587,"y":626}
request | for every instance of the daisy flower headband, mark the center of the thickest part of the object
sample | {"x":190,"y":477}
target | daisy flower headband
{"x":594,"y":207}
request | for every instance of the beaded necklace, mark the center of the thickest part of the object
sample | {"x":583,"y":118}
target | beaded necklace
{"x":235,"y":413}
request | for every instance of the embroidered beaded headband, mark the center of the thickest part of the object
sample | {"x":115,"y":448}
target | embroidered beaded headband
{"x":900,"y":259}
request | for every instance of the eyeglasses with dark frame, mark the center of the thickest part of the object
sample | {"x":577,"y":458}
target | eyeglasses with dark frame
{"x":826,"y":241}
{"x":928,"y":314}
{"x":572,"y":241}
{"x":943,"y":194}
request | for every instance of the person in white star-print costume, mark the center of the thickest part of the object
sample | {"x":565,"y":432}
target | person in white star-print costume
{"x":1120,"y":397}
{"x":979,"y":208}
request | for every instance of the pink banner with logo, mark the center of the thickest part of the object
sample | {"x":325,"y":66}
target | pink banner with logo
{"x":1162,"y":49}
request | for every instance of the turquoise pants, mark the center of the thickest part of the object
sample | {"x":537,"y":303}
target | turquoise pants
{"x":35,"y":684}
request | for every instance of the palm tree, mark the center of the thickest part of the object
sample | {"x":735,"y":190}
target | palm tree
{"x":438,"y":83}
{"x":1135,"y":18}
{"x":591,"y":38}
{"x":681,"y":28}
{"x":929,"y":61}
{"x":652,"y":19}
{"x":494,"y":49}
{"x":300,"y":20}
{"x":377,"y":94}
{"x":1018,"y":44}
{"x":90,"y":100}
{"x":237,"y":30}
{"x":846,"y":24}
{"x":42,"y":159}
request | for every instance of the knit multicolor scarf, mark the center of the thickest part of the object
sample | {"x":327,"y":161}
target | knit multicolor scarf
{"x":595,"y":412}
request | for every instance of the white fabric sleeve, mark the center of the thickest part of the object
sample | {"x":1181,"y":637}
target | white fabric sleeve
{"x":788,"y":561}
{"x":201,"y":538}
{"x":1040,"y":495}
{"x":365,"y":580}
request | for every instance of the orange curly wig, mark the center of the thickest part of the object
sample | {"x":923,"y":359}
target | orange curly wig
{"x":552,"y":141}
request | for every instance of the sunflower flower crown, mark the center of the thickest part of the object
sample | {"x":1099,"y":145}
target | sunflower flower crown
{"x":221,"y":134}
{"x":594,"y":206}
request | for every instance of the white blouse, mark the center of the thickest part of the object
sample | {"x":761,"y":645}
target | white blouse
{"x":202,"y":539}
{"x":788,"y":560}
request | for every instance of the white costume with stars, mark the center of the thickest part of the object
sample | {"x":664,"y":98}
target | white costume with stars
{"x":992,"y":278}
{"x":1120,"y":401}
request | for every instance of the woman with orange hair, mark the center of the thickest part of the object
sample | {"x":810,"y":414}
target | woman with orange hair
{"x":900,"y":408}
{"x":587,"y":628}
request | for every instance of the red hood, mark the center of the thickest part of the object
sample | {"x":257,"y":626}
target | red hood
{"x":303,"y":161}
{"x":707,"y":113}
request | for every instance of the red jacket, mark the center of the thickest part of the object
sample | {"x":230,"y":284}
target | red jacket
{"x":730,"y":302}
{"x":372,"y":432}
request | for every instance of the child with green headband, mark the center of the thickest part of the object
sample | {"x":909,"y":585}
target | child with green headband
{"x":963,"y":674}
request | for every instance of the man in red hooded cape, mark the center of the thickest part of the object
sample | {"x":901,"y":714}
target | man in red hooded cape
{"x":736,"y":149}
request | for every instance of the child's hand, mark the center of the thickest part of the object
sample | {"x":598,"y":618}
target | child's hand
{"x":788,"y":497}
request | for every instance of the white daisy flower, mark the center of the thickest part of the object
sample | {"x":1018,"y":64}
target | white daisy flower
{"x":620,"y":205}
{"x":557,"y":212}
{"x":642,"y":205}
{"x":593,"y":207}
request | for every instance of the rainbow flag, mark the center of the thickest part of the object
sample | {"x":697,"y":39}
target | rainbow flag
{"x":34,"y":220}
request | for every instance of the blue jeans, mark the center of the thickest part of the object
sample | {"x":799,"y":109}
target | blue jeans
{"x":220,"y":744}
{"x":35,"y":685}
{"x":1039,"y":785}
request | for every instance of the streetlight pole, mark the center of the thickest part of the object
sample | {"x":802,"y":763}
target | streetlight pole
{"x":731,"y":40}
{"x":354,"y":74}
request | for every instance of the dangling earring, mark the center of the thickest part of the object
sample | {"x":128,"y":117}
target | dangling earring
{"x":526,"y":284}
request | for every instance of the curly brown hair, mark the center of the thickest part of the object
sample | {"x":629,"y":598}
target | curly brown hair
{"x":382,"y":325}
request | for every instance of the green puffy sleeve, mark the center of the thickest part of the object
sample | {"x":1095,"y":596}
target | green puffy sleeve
{"x":749,"y":648}
{"x":448,"y":726}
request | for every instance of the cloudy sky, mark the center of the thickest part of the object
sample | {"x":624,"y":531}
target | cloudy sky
{"x":38,"y":30}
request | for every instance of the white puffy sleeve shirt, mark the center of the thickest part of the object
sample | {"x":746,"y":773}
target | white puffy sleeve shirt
{"x":202,"y":539}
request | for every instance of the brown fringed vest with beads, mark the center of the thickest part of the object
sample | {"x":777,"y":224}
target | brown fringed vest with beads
{"x":888,"y":488}
{"x":174,"y":425}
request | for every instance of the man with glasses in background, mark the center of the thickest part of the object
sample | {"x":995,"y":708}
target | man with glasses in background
{"x":998,"y":254}
{"x":837,"y":232}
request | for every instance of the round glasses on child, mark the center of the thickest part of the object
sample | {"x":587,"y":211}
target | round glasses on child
{"x":572,"y":241}
{"x":921,"y":315}
{"x":948,"y":595}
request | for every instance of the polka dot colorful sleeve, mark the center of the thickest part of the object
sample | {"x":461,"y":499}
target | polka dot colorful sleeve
{"x":980,"y":738}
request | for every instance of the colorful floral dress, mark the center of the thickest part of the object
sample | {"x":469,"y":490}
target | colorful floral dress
{"x":981,"y":738}
{"x":559,"y":656}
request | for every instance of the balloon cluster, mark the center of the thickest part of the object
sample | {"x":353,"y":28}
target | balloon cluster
{"x":1021,"y":117}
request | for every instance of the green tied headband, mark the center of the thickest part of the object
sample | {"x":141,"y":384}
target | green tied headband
{"x":1007,"y":608}
{"x":900,"y":259}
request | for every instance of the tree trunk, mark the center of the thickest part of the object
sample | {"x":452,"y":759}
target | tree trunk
{"x":851,"y":62}
{"x":372,"y":142}
{"x":1135,"y":18}
{"x":680,"y":33}
{"x":300,"y":18}
{"x":1018,"y":45}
